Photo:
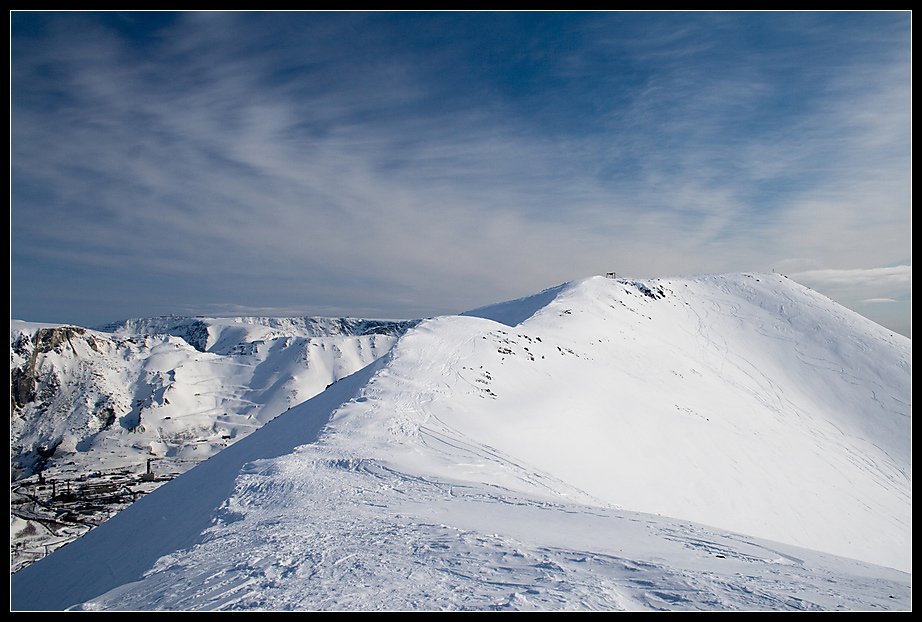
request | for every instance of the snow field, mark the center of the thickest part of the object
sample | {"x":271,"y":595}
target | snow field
{"x":711,"y":443}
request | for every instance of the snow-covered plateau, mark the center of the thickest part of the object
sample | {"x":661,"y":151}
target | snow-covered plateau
{"x":727,"y":442}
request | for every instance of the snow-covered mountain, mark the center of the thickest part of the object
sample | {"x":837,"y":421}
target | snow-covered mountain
{"x":171,"y":387}
{"x":719,"y":442}
{"x":90,"y":408}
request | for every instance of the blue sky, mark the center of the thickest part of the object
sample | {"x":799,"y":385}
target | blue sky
{"x":402,"y":164}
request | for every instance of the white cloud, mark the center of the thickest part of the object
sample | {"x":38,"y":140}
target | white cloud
{"x":360,"y":180}
{"x":881,"y":294}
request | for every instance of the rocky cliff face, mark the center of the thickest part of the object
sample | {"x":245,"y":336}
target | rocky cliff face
{"x":24,"y":378}
{"x":55,"y":387}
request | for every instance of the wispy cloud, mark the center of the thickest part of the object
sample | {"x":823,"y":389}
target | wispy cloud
{"x":410,"y":164}
{"x":891,"y":277}
{"x":883,"y":294}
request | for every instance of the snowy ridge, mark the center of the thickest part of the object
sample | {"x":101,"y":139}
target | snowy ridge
{"x":724,"y":442}
{"x":705,"y":401}
{"x":93,"y":410}
{"x":221,"y":335}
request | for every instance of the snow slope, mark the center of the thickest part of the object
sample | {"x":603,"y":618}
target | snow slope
{"x":92,"y":410}
{"x":177,"y":389}
{"x":721,"y":442}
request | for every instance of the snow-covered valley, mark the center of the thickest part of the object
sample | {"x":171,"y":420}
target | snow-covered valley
{"x":733,"y":442}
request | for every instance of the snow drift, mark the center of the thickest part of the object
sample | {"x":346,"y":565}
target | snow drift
{"x":699,"y":443}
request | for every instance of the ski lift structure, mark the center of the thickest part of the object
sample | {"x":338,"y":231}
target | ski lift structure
{"x":611,"y":275}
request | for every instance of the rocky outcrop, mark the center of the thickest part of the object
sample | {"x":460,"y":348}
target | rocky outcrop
{"x":23,"y":380}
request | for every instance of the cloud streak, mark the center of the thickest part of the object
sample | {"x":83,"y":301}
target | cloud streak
{"x":414,"y":164}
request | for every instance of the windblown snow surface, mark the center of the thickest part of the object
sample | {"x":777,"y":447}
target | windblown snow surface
{"x":728,"y":442}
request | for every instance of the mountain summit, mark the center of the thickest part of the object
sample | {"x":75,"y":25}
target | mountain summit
{"x":716,"y":442}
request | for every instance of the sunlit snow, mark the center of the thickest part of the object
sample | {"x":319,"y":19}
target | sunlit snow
{"x":731,"y":442}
